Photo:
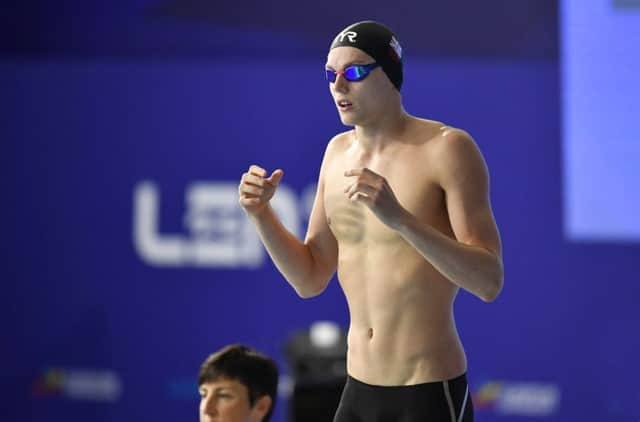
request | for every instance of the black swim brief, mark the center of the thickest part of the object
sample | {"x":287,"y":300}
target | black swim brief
{"x":443,"y":401}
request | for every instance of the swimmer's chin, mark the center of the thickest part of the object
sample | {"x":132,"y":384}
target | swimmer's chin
{"x":347,"y":120}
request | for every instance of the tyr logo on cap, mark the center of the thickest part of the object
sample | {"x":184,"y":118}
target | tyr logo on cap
{"x":396,"y":47}
{"x":351,"y":36}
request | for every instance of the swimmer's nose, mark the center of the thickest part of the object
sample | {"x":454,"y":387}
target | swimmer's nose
{"x":341,"y":84}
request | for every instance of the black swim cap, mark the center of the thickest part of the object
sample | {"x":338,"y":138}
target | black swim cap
{"x":379,"y":42}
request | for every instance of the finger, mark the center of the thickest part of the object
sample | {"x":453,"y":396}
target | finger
{"x":361,"y":171}
{"x":257,"y":170}
{"x":361,"y":197}
{"x":354,"y":172}
{"x":246,"y":189}
{"x":244,"y":201}
{"x":351,"y":189}
{"x":275,"y":177}
{"x":363,"y":189}
{"x":253,"y":179}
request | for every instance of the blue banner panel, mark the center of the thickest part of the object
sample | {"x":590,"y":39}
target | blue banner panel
{"x":601,"y":124}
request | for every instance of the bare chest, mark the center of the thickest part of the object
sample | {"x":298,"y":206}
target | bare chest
{"x":413,"y":184}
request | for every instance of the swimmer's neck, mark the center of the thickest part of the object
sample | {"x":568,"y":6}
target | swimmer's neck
{"x":383,"y":132}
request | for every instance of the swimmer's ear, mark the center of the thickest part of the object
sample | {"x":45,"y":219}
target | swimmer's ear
{"x":261,"y":406}
{"x":275,"y":177}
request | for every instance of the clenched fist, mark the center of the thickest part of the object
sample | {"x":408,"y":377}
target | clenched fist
{"x":374,"y":191}
{"x":256,"y":190}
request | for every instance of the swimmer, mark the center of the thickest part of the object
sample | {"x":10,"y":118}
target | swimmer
{"x":402,"y":213}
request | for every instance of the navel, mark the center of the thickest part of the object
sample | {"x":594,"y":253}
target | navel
{"x":370,"y":333}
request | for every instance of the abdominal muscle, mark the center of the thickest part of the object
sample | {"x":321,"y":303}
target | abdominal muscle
{"x":402,"y":330}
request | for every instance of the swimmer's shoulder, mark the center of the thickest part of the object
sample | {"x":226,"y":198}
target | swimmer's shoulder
{"x":436,"y":130}
{"x":445,"y":138}
{"x":340,"y":143}
{"x":453,"y":150}
{"x":337,"y":146}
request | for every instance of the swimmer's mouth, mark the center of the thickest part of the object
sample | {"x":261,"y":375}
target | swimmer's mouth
{"x":344,"y":104}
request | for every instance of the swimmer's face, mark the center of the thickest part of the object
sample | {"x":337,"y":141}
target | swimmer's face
{"x":358,"y":102}
{"x":227,"y":400}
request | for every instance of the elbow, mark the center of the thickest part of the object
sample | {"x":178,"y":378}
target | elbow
{"x":309,"y":290}
{"x":307,"y":293}
{"x":490,"y":295}
{"x":313,"y":283}
{"x":494,"y":287}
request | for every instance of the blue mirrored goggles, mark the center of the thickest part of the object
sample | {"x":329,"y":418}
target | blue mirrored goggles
{"x":353,"y":73}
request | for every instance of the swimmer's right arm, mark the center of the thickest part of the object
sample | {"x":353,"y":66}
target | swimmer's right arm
{"x":308,"y":266}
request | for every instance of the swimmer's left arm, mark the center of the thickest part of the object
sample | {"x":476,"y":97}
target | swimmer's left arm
{"x":472,"y":261}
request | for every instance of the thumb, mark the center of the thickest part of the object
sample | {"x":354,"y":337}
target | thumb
{"x":275,"y":177}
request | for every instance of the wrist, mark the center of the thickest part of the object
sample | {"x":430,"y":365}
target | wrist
{"x":260,"y":214}
{"x":403,"y":221}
